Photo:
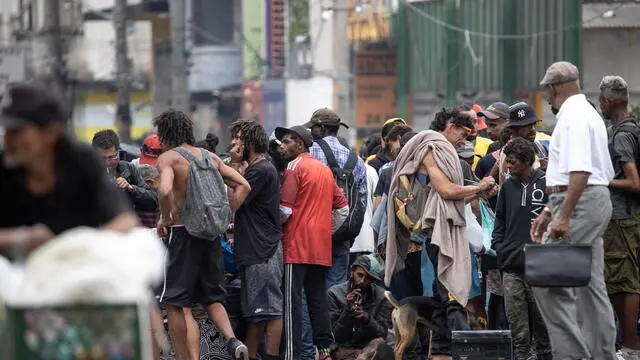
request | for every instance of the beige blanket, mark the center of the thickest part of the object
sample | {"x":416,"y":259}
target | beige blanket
{"x":445,"y":217}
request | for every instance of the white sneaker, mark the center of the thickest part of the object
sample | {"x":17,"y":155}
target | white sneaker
{"x":619,"y":355}
{"x":628,"y":354}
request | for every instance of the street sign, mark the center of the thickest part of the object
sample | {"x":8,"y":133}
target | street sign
{"x":12,"y":65}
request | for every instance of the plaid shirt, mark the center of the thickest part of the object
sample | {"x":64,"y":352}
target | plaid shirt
{"x":341,"y":154}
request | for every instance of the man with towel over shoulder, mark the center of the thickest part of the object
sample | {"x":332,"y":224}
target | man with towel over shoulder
{"x":431,"y":160}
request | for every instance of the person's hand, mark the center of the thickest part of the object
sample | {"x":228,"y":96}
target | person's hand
{"x":487,"y":183}
{"x":240,"y":167}
{"x":539,"y":226}
{"x":163,"y":226}
{"x":38,"y":235}
{"x":30,"y":238}
{"x":544,"y":162}
{"x":559,"y":228}
{"x":124,"y":184}
{"x":362,"y":316}
{"x":237,"y":153}
{"x":352,"y":299}
{"x":489,"y":193}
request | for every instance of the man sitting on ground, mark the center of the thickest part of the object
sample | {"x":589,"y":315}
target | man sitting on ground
{"x":360,"y":314}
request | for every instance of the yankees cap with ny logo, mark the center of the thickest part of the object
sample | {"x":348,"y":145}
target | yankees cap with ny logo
{"x":522,"y":114}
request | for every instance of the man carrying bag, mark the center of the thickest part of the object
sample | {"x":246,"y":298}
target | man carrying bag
{"x":578,"y":212}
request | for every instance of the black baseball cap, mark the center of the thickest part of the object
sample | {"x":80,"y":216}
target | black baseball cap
{"x":497,"y":110}
{"x":521,"y":114}
{"x":31,"y":102}
{"x":325,"y":116}
{"x":301,"y":131}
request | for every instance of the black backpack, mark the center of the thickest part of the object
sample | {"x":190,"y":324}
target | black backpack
{"x":345,"y":178}
{"x":629,"y":126}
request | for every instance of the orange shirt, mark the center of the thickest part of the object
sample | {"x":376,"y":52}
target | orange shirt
{"x":310,"y":191}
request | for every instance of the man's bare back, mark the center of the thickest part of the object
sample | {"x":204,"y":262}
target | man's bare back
{"x":174,"y":172}
{"x":180,"y":167}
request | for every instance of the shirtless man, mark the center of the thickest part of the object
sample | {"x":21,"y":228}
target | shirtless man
{"x":194,"y":270}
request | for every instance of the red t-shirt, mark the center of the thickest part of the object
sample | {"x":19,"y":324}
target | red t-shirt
{"x":309,"y":190}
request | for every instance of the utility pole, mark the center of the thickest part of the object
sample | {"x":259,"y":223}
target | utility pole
{"x":342,"y":61}
{"x":54,"y":69}
{"x":179,"y":81}
{"x":123,"y":72}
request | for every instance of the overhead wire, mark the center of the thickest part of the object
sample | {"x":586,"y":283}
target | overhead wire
{"x":468,"y":34}
{"x":448,"y":26}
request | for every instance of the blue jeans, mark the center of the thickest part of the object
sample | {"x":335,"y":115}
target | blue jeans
{"x":308,"y":348}
{"x":337,"y":274}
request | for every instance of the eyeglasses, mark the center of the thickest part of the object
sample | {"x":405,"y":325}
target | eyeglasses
{"x":110,"y":157}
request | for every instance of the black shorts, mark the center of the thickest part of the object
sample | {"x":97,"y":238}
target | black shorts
{"x":194,"y":273}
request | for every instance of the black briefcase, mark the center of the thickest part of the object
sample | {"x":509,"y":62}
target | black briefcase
{"x":557,"y":265}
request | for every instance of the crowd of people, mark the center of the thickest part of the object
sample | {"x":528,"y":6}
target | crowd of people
{"x":318,"y":232}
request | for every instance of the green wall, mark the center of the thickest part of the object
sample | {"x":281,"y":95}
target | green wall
{"x":507,"y":45}
{"x":253,"y":16}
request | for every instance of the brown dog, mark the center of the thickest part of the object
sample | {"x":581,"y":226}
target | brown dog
{"x":405,"y":317}
{"x":409,"y":311}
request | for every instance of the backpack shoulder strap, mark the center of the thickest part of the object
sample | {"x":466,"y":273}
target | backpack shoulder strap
{"x":328,"y":153}
{"x":352,"y":160}
{"x":405,"y":183}
{"x":185,"y":153}
{"x":542,"y":150}
{"x":627,"y":126}
{"x":206,"y":157}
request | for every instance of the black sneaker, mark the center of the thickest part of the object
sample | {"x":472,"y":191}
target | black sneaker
{"x":238,"y":350}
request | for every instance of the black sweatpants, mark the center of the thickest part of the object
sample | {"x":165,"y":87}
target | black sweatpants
{"x":311,"y":278}
{"x":449,"y":316}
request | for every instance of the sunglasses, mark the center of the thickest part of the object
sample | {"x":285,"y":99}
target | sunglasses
{"x":151,"y":151}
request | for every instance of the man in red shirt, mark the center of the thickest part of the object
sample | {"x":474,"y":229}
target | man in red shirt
{"x":312,"y":206}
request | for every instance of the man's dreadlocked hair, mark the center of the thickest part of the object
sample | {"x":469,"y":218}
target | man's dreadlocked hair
{"x":252,"y":133}
{"x":174,"y":128}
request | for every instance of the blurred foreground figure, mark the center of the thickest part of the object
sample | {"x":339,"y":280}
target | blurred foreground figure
{"x":49,"y":182}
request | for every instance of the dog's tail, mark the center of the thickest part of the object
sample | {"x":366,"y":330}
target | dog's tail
{"x":391,"y":299}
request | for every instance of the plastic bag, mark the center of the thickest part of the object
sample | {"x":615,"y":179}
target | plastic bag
{"x":85,"y":265}
{"x":474,"y":230}
{"x":488,"y":221}
{"x":228,"y":256}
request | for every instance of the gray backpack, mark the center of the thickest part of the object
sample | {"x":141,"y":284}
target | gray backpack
{"x":206,"y":212}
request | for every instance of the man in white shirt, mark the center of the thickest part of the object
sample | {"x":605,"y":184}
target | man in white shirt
{"x":578,"y":211}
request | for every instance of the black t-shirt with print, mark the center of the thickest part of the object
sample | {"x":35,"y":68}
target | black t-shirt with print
{"x":257,"y":225}
{"x":82,"y":196}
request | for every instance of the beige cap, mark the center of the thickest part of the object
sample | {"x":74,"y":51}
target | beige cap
{"x":559,"y":73}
